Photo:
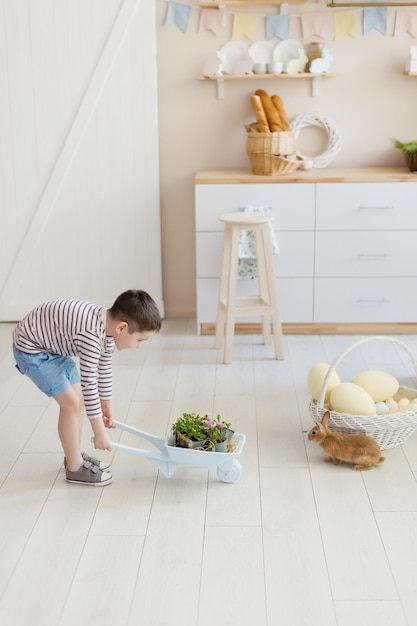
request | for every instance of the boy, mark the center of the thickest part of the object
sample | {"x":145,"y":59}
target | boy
{"x":43,"y":344}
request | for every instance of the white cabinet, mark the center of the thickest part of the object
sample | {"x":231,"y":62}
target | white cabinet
{"x":293,"y":209}
{"x":348,"y":249}
{"x":366,"y":253}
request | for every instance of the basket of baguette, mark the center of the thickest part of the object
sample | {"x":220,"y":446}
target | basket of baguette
{"x":270,"y":143}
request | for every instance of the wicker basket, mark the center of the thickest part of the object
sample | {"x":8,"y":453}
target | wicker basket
{"x":271,"y":143}
{"x":388,"y":430}
{"x":266,"y":152}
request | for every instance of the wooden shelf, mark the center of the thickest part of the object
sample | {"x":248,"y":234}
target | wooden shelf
{"x":219,"y":79}
{"x":227,"y":3}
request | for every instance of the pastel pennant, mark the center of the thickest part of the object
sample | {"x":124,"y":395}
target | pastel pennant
{"x":344,"y":24}
{"x":211,"y":20}
{"x":375,"y":18}
{"x":244,"y":24}
{"x":314,"y":25}
{"x":277,"y":26}
{"x":178,"y":14}
{"x":406,"y":22}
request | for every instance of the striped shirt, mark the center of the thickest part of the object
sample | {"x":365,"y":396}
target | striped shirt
{"x":73,"y":328}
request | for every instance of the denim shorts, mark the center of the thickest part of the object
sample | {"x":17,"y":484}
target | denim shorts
{"x":52,"y":373}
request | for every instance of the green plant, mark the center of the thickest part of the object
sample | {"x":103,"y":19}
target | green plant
{"x":410,"y":146}
{"x":217,"y":430}
{"x":194,"y":427}
{"x":191,"y":426}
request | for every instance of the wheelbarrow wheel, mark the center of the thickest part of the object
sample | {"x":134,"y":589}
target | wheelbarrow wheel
{"x":232,"y":474}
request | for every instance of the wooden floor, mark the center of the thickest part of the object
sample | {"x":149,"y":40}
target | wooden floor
{"x":293,"y":542}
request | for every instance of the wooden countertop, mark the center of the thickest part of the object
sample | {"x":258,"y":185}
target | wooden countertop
{"x":323,"y":175}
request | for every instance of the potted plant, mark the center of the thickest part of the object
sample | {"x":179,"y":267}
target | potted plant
{"x":410,"y":153}
{"x":218,"y":433}
{"x":194,"y":431}
{"x":190,"y":431}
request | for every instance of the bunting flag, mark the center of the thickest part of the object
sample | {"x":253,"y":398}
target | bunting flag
{"x":244,"y":24}
{"x":406,"y":22}
{"x":211,"y":20}
{"x":178,"y":14}
{"x":277,"y":26}
{"x":375,"y":18}
{"x":344,"y":24}
{"x":314,"y":25}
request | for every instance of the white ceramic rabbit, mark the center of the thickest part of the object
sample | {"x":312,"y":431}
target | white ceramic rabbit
{"x":295,"y":66}
{"x":321,"y":65}
{"x":213,"y":65}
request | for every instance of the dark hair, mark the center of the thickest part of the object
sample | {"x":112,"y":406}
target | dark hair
{"x":138,"y":309}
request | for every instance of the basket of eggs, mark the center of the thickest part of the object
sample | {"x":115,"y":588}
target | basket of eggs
{"x":374,"y":403}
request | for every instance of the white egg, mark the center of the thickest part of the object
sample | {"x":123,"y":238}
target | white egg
{"x":381,"y":408}
{"x":315,"y":380}
{"x":379,"y":385}
{"x":350,"y":398}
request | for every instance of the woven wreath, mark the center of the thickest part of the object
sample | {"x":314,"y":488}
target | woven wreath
{"x":333,"y":133}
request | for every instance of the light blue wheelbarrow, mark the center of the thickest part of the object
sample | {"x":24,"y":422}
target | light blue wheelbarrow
{"x":169,"y":456}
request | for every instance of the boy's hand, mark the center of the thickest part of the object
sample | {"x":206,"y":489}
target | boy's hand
{"x":101,"y":438}
{"x":107,"y":410}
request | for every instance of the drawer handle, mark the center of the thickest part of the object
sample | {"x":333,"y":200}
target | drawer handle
{"x":375,"y":208}
{"x":381,"y":301}
{"x":379,"y":255}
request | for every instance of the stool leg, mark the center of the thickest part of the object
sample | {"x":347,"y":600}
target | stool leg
{"x":270,"y":274}
{"x":263,"y":284}
{"x":223,"y":288}
{"x":231,"y":296}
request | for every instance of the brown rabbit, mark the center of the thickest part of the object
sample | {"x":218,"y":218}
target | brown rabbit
{"x":359,"y":449}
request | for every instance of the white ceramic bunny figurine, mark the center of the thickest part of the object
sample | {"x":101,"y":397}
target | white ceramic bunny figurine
{"x":295,"y":66}
{"x":322,"y":64}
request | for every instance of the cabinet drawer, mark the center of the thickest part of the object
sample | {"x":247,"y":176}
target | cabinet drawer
{"x":366,"y":253}
{"x":295,"y":297}
{"x":295,"y":258}
{"x":291,"y":205}
{"x":353,"y":300}
{"x":366,"y":206}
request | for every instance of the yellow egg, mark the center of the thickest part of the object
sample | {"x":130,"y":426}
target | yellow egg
{"x":315,"y":380}
{"x":350,"y":398}
{"x":379,"y":385}
{"x":403,"y":403}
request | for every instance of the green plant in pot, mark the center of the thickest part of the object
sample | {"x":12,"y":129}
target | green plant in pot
{"x":410,"y":153}
{"x":219,"y":433}
{"x":194,"y":431}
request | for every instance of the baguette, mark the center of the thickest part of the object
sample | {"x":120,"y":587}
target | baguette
{"x":271,"y":113}
{"x":260,"y":114}
{"x":279,"y":105}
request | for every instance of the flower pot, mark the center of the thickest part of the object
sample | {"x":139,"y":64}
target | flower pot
{"x":183,"y":442}
{"x":222,"y":446}
{"x":411,"y":160}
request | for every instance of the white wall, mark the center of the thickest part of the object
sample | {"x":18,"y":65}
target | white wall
{"x":370,"y":100}
{"x":79,"y":181}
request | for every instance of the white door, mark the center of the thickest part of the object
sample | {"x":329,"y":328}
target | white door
{"x":79,"y":184}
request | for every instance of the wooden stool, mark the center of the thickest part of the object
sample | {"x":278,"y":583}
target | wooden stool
{"x":265,"y":304}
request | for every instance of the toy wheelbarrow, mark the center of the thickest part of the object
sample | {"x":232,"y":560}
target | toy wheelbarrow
{"x":170,"y":456}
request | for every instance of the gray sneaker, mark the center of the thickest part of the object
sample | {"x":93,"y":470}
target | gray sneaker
{"x":89,"y":474}
{"x":103,"y":465}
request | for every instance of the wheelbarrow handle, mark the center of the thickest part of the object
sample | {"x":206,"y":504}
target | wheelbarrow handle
{"x":158,"y":442}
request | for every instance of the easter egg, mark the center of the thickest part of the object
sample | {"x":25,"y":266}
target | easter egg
{"x":350,"y":398}
{"x":403,"y":403}
{"x":381,"y":408}
{"x":315,"y":380}
{"x":379,"y":385}
{"x":392,"y":404}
